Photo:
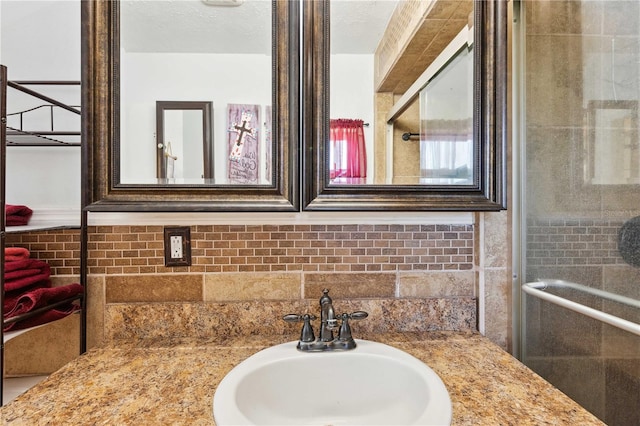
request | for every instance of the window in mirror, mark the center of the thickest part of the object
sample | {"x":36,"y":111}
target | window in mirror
{"x":347,"y":151}
{"x":446,"y":124}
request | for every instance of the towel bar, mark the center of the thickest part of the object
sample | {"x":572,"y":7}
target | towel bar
{"x":537,"y":289}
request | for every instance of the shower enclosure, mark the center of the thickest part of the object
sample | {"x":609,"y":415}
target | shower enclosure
{"x":577,"y":86}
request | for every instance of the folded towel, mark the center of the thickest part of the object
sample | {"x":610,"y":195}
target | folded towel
{"x":22,"y":273}
{"x":11,"y":297}
{"x":13,"y":254}
{"x":40,"y":297}
{"x":17,"y":215}
{"x":32,"y":272}
{"x":43,"y":318}
{"x":12,"y":258}
{"x":24,"y":282}
{"x":23,"y":264}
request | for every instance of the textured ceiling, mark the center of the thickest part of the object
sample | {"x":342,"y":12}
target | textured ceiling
{"x":193,"y":26}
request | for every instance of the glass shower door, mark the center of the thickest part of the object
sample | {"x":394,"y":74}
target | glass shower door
{"x":579,"y":61}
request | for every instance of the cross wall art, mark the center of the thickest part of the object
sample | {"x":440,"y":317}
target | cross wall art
{"x":243,"y":143}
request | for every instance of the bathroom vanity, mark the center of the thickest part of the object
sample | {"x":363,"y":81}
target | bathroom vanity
{"x":173,"y":383}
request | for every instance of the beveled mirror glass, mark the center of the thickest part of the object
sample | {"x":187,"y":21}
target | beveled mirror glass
{"x":137,"y":53}
{"x":405,"y":105}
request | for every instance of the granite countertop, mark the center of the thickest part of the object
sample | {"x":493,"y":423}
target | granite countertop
{"x":153,"y":383}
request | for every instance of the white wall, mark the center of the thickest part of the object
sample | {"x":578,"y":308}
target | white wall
{"x":40,"y":40}
{"x":41,"y":36}
{"x":151,"y":77}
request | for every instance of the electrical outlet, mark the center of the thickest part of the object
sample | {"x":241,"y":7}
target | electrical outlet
{"x":177,"y":246}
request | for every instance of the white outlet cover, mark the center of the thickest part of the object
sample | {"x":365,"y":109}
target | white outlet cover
{"x":176,"y":247}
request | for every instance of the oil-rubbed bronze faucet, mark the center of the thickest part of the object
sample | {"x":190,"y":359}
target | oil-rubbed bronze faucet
{"x":328,"y":323}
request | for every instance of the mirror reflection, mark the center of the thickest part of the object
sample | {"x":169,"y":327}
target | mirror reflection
{"x":189,"y":51}
{"x":401,"y":93}
{"x":183,"y":136}
{"x":446,"y":124}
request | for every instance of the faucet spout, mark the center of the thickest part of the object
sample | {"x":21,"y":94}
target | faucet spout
{"x":328,"y":321}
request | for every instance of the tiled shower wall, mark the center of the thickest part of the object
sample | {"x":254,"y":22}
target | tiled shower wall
{"x":572,"y":242}
{"x":595,"y":364}
{"x":578,"y":51}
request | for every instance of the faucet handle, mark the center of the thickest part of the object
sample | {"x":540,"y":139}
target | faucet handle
{"x":358,"y":315}
{"x":345,"y":330}
{"x":306,"y":335}
{"x":293,"y":318}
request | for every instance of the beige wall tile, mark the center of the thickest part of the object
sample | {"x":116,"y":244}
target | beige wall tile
{"x":496,"y":239}
{"x":61,"y":280}
{"x":436,"y":284}
{"x":153,"y":288}
{"x":498,"y":308}
{"x":252,"y":286}
{"x":350,"y":285}
{"x":406,"y":155}
{"x":95,"y":311}
{"x":383,"y":103}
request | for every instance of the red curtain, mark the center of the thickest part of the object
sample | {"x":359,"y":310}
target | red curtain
{"x":348,"y":154}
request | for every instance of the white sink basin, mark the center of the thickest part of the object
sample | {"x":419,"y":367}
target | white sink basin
{"x":373,"y":384}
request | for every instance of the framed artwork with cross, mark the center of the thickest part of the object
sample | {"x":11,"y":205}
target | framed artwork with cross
{"x":243,"y":142}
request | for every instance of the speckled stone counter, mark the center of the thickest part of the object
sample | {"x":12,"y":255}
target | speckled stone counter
{"x":153,"y":383}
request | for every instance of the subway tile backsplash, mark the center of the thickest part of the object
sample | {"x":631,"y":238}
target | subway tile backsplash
{"x":281,"y":248}
{"x":259,"y":248}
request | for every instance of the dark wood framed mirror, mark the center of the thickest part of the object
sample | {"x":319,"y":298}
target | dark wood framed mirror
{"x":184,"y":148}
{"x":107,"y":79}
{"x":395,"y":113}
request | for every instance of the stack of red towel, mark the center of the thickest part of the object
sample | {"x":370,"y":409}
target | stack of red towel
{"x":28,"y":287}
{"x":17,"y":215}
